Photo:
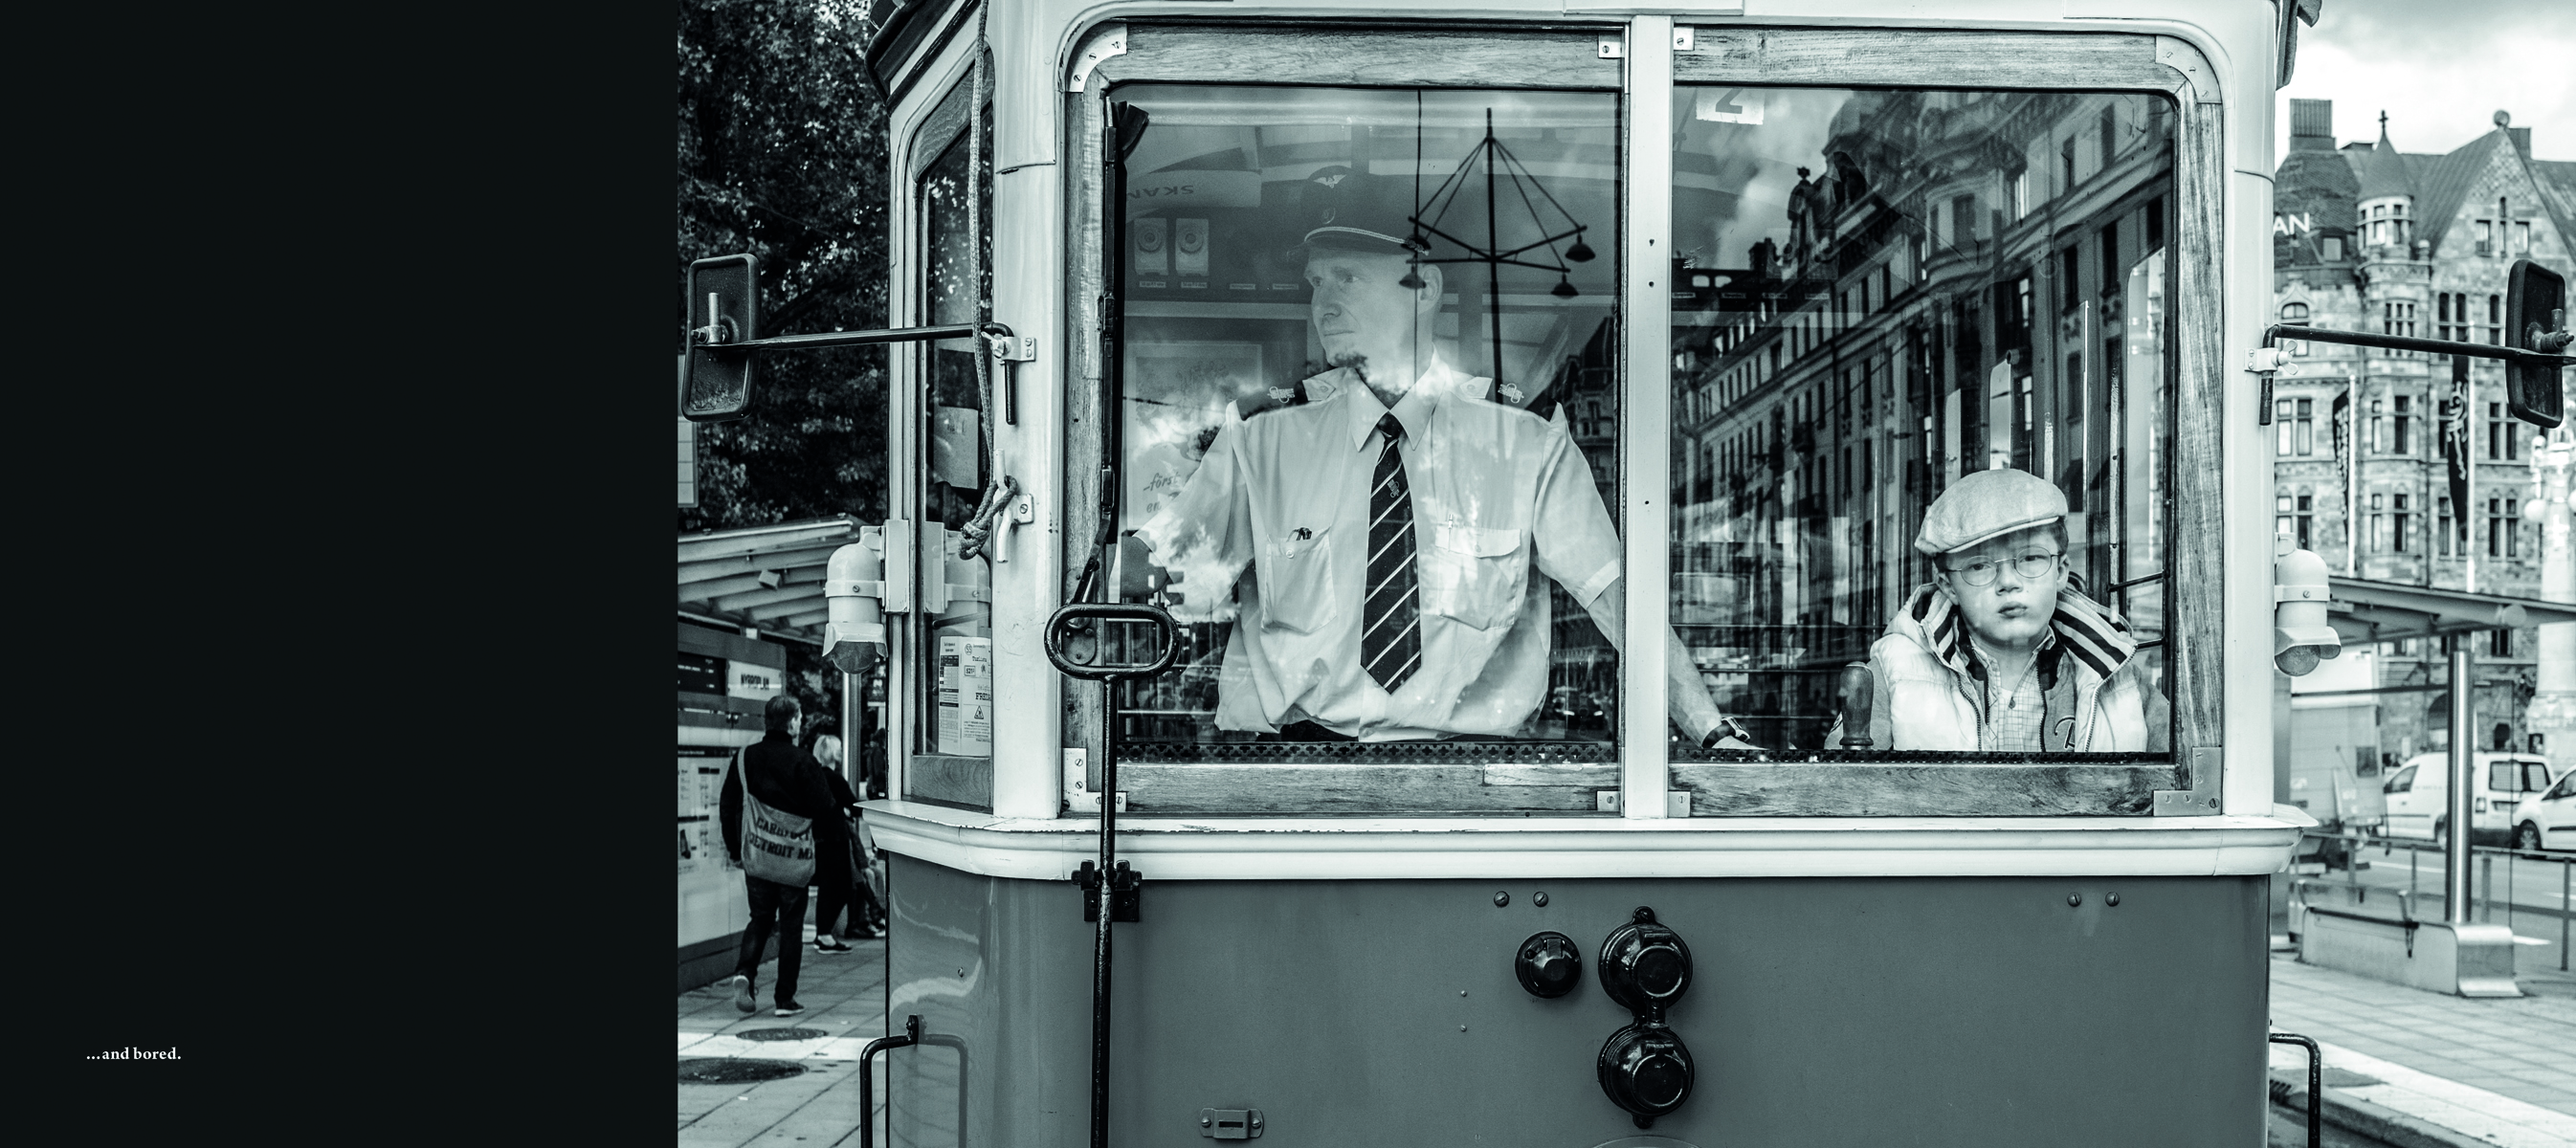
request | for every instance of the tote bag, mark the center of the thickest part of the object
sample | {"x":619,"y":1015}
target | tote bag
{"x":775,"y":846}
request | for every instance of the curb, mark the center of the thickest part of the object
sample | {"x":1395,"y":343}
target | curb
{"x":2342,"y":1110}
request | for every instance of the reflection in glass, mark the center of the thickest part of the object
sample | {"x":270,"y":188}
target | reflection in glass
{"x":1293,"y":275}
{"x":956,"y":679}
{"x":1876,"y":295}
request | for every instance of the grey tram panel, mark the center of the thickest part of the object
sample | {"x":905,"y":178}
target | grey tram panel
{"x":2092,"y":1021}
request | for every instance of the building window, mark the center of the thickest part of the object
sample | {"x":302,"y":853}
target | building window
{"x":2066,"y":163}
{"x":2504,"y":527}
{"x":2378,"y":429}
{"x":2333,"y":248}
{"x":2378,"y":527}
{"x":2397,"y":319}
{"x":2307,"y":520}
{"x":2495,"y":319}
{"x":2442,"y":526}
{"x":2500,"y":645}
{"x":2405,"y":423}
{"x":2522,"y":237}
{"x":1963,"y":220}
{"x":2294,"y":312}
{"x":2021,"y":195}
{"x":2502,"y":443}
{"x":2486,"y":237}
{"x":2305,"y":441}
{"x":2070,"y":291}
{"x":2397,"y":529}
{"x":2379,"y":232}
{"x":2110,"y":135}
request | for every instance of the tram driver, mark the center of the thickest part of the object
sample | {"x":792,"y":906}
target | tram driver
{"x":2001,"y":652}
{"x":1390,"y":511}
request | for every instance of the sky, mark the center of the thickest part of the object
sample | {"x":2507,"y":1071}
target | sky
{"x":2441,"y":71}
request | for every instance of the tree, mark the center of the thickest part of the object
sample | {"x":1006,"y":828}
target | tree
{"x":782,"y":154}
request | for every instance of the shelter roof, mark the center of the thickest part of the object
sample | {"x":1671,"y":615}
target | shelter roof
{"x":767,"y":577}
{"x":2366,"y":611}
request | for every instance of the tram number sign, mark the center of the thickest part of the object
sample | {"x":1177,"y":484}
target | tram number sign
{"x":2535,"y":306}
{"x":723,"y":307}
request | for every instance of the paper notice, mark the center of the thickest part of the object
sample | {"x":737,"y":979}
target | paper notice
{"x":966,"y":696}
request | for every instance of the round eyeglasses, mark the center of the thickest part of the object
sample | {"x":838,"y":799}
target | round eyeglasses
{"x":1982,"y":571}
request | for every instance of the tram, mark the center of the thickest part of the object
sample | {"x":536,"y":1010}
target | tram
{"x":1693,"y":334}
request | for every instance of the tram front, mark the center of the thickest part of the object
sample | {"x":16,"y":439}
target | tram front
{"x":1716,"y":572}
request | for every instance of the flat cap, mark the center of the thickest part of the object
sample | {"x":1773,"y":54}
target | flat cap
{"x":1988,"y":504}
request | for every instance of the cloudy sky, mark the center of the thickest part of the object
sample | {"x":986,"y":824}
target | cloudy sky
{"x":2441,"y":70}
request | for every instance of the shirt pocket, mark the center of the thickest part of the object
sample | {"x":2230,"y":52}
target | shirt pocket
{"x":1297,"y":582}
{"x":1474,"y":575}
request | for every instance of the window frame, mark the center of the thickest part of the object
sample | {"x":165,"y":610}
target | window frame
{"x":1567,"y":56}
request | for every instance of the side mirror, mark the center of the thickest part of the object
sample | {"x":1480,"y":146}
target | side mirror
{"x":2535,"y":319}
{"x":723,"y":307}
{"x":2300,"y":633}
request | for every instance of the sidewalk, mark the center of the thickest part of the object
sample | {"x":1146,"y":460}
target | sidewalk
{"x":844,"y":999}
{"x":2419,"y":1067}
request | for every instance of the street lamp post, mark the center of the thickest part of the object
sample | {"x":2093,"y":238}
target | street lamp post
{"x":2464,"y":758}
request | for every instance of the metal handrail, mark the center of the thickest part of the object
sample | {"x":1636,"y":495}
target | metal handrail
{"x":2566,"y":862}
{"x":2316,"y":1084}
{"x":867,"y":1078}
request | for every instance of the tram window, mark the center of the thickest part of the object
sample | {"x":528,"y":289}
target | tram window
{"x":1277,"y":307}
{"x":2036,"y":626}
{"x":955,"y":682}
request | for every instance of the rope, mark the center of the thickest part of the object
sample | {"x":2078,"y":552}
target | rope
{"x":1001,"y":488}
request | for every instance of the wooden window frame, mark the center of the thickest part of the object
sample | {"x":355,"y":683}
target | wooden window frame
{"x":1567,"y":56}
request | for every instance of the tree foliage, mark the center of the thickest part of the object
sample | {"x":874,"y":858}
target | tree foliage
{"x":782,"y":154}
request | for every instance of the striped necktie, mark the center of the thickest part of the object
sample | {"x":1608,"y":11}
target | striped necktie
{"x":1391,"y":645}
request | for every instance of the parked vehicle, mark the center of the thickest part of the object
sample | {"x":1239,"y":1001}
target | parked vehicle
{"x":2418,"y":792}
{"x":2548,"y":822}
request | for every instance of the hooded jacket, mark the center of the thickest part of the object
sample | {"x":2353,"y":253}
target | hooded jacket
{"x":1929,"y":691}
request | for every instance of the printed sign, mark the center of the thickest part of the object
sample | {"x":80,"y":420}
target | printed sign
{"x":746,"y":680}
{"x":966,"y":696}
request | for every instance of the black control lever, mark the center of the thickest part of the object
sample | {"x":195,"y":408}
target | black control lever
{"x":1093,"y":619}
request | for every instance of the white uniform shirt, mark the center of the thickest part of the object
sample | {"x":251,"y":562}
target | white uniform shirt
{"x":1495,"y":489}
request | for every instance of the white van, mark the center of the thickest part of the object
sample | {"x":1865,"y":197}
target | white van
{"x":2417,"y":795}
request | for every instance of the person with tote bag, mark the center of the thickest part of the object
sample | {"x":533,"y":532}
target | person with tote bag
{"x":772,"y":797}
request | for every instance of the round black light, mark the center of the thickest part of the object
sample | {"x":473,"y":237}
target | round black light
{"x":1548,"y":964}
{"x":1645,"y":966}
{"x":1644,"y":1069}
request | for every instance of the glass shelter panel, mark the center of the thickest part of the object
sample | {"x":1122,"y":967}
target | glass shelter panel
{"x":1367,"y":437}
{"x":954,"y":682}
{"x":1920,"y":420}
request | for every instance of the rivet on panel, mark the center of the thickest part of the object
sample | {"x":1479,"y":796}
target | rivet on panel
{"x":1501,"y":898}
{"x":1539,"y":899}
{"x":2110,"y":898}
{"x":2075,"y":898}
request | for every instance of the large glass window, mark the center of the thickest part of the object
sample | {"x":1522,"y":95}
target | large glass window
{"x":1896,"y":481}
{"x":953,"y":687}
{"x":1368,"y":434}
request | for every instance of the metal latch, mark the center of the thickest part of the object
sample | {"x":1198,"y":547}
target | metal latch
{"x":1613,"y":47}
{"x":1126,"y":886}
{"x":1230,"y":1123}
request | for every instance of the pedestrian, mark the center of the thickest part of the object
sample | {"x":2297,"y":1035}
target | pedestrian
{"x":785,"y":779}
{"x":2001,"y":652}
{"x":835,"y":873}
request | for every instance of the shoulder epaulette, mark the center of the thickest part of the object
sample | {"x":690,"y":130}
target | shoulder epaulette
{"x":1273,"y":399}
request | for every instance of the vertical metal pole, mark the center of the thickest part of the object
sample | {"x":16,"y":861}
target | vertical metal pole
{"x":2455,"y":858}
{"x":2566,"y":909}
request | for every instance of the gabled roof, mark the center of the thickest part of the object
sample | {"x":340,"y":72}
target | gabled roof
{"x":2447,"y":180}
